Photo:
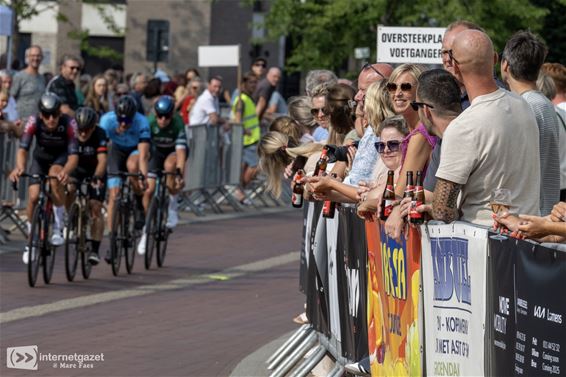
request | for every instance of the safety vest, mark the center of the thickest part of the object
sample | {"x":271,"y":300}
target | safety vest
{"x":250,"y":121}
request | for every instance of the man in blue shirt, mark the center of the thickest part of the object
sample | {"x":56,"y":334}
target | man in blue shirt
{"x":128,"y":132}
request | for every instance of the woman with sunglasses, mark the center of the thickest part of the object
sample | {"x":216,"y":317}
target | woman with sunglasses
{"x":318,"y":99}
{"x":194,"y":89}
{"x":417,"y":146}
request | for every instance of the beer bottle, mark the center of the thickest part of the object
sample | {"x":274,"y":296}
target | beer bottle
{"x":297,"y":196}
{"x":414,"y":216}
{"x":388,"y":197}
{"x":322,"y":163}
{"x":329,"y":206}
{"x":409,"y":188}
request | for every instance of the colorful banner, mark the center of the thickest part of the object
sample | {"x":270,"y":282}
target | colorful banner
{"x":393,"y":302}
{"x":332,"y":267}
{"x":454,"y":284}
{"x":527,"y":316}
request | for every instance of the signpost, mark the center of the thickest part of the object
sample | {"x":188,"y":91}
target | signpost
{"x":421,"y":45}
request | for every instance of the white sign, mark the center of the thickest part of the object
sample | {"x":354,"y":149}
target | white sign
{"x":361,"y":52}
{"x":219,"y":56}
{"x":454,"y":262}
{"x":409,"y":44}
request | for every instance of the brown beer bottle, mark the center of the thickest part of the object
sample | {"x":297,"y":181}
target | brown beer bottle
{"x":297,"y":196}
{"x":409,"y":188}
{"x":322,"y":163}
{"x":388,"y":197}
{"x":418,"y":199}
{"x":329,"y":207}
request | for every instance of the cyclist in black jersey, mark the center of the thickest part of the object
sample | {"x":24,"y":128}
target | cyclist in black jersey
{"x":93,"y":151}
{"x":55,"y":154}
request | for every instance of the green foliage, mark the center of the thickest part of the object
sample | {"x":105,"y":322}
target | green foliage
{"x":324,"y":33}
{"x":99,"y":51}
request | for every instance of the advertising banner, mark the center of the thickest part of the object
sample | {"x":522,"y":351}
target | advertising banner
{"x":351,"y":272}
{"x":332,"y":267}
{"x":394,"y":293}
{"x":527,"y":316}
{"x":454,"y":283}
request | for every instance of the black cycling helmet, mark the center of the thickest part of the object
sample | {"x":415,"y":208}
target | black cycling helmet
{"x":49,"y":103}
{"x":86,"y":118}
{"x":164,"y":105}
{"x":126,"y":107}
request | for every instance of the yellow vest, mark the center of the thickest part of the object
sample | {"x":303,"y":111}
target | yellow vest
{"x":250,"y":121}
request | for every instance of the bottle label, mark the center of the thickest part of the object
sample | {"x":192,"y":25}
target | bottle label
{"x":387,"y":208}
{"x":296,"y":199}
{"x":326,"y":206}
{"x":413,"y":214}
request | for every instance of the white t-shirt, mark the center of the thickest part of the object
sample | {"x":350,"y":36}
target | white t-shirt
{"x":562,"y":145}
{"x":205,"y":105}
{"x":493,"y":144}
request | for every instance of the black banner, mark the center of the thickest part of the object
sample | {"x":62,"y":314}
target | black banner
{"x":303,"y":267}
{"x":352,"y":284}
{"x":526,"y":314}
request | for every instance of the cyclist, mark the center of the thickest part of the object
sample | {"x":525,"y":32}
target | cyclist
{"x":93,"y":149}
{"x":169,"y":153}
{"x":55,"y":154}
{"x":129,"y":135}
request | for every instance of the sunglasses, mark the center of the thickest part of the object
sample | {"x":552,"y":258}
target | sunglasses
{"x":415,"y":105}
{"x":164,"y":116}
{"x":405,"y":87}
{"x":392,"y":145}
{"x":50,"y":115}
{"x":124,"y":119}
{"x":315,"y":111}
{"x":74,"y":67}
{"x":367,"y":65}
{"x":450,"y":55}
{"x":119,"y":94}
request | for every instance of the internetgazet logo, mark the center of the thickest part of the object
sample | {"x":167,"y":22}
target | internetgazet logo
{"x":25,"y":357}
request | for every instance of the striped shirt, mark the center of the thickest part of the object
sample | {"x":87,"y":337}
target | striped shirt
{"x":547,"y":122}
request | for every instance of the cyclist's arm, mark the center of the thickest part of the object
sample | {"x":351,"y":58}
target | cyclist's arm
{"x":143,"y":148}
{"x":102,"y":158}
{"x":71,"y":164}
{"x":21,"y":158}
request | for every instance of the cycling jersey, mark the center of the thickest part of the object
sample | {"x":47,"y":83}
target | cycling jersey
{"x":89,"y":150}
{"x":171,"y":137}
{"x":50,"y":143}
{"x":137,"y":132}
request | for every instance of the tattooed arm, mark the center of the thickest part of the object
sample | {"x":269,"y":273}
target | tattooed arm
{"x":444,"y":206}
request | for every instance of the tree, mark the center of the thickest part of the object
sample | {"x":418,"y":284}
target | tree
{"x":324,"y":33}
{"x":27,"y":9}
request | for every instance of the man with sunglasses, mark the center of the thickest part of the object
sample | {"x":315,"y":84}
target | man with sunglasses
{"x":128,"y":132}
{"x":55,"y":154}
{"x":64,"y":84}
{"x":169,"y":152}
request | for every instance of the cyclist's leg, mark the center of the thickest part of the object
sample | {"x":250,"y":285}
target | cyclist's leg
{"x":155,"y":167}
{"x":172,"y":214}
{"x":58,"y":197}
{"x":133,"y":166}
{"x":117,"y":160}
{"x":96,"y":198}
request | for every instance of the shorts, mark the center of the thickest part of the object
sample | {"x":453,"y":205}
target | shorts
{"x":250,"y":156}
{"x":157,"y":160}
{"x":79,"y":174}
{"x":117,"y":163}
{"x":41,"y":166}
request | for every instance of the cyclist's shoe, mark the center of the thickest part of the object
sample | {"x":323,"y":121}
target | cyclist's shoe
{"x":25,"y":256}
{"x":172,"y":219}
{"x":57,"y":237}
{"x":93,"y":258}
{"x":139,"y":216}
{"x":142,"y":244}
{"x":108,"y":257}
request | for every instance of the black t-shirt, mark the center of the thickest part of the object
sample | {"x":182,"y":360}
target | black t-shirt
{"x":50,"y":143}
{"x":65,"y":89}
{"x":264,"y":89}
{"x":90,"y":149}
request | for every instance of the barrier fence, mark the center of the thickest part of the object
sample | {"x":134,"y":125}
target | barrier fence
{"x":446,"y":300}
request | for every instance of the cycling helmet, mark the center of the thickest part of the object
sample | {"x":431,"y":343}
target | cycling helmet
{"x":164,"y":105}
{"x":126,"y":107}
{"x":49,"y":103}
{"x":86,"y":118}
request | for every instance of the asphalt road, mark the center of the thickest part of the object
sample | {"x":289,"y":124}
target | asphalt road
{"x":228,"y":288}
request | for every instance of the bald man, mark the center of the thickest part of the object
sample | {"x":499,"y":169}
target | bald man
{"x":493,"y":144}
{"x":265,"y":89}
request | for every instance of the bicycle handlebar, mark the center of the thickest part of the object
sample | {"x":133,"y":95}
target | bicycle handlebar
{"x":41,"y":177}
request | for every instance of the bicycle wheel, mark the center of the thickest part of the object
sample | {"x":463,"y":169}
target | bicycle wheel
{"x":116,"y":238}
{"x":86,"y":267}
{"x":72,"y":243}
{"x":152,"y":231}
{"x":35,"y":245}
{"x":161,"y":244}
{"x":48,"y":249}
{"x":131,"y":239}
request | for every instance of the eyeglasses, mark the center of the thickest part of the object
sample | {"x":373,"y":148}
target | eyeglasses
{"x":315,"y":111}
{"x":368,"y":65}
{"x":392,"y":145}
{"x":405,"y":87}
{"x":54,"y":115}
{"x":74,"y":67}
{"x":124,"y":119}
{"x":164,"y":116}
{"x":415,"y":105}
{"x":450,"y":55}
{"x":120,"y":94}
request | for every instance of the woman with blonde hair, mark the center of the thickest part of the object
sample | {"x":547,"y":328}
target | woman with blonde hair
{"x":277,"y":151}
{"x":300,"y":111}
{"x":287,"y":126}
{"x":97,"y":95}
